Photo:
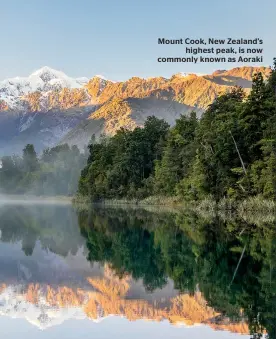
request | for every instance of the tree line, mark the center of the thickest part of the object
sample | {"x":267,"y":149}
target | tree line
{"x":55,"y":172}
{"x":230,"y":152}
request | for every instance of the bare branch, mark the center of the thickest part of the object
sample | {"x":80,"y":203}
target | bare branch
{"x":242,"y":163}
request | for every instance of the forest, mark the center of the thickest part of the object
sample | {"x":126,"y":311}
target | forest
{"x":229,"y":153}
{"x":55,"y":172}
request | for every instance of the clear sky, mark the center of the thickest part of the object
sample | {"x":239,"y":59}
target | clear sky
{"x":118,"y":38}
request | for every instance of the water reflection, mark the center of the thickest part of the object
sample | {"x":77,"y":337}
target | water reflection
{"x":58,"y":264}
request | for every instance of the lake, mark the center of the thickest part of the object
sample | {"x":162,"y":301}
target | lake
{"x":132,"y":273}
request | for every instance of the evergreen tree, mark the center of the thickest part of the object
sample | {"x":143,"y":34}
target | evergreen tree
{"x":177,"y":156}
{"x":30,"y":161}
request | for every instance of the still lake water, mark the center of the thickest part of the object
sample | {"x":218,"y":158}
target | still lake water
{"x":133,"y":273}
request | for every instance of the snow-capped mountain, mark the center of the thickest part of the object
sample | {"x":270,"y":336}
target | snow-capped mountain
{"x":43,"y":80}
{"x":49,"y":107}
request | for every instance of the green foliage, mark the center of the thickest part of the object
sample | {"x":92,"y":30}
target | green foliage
{"x":30,"y":162}
{"x":177,"y":155}
{"x":121,"y":166}
{"x":228,"y":153}
{"x":56,"y":172}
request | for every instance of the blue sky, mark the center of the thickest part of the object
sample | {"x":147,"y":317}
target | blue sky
{"x":118,"y":39}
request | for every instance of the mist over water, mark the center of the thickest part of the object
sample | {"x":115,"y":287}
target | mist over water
{"x":54,"y":173}
{"x":24,"y":199}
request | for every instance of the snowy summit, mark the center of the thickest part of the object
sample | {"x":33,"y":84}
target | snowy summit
{"x":44,"y":79}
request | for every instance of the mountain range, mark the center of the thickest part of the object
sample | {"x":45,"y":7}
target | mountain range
{"x":45,"y":306}
{"x":48,"y":107}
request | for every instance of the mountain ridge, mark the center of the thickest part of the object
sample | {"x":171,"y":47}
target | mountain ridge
{"x":47,"y":106}
{"x":47,"y":79}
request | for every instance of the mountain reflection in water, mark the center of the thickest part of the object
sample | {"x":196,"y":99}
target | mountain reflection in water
{"x":58,"y":264}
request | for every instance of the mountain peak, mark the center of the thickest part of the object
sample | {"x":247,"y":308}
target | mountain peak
{"x":47,"y":74}
{"x":42,"y":80}
{"x":100,"y":77}
{"x":44,"y":69}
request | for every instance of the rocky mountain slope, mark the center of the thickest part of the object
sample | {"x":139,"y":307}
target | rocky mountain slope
{"x":190,"y":89}
{"x":42,"y":130}
{"x":127,"y":113}
{"x":49,"y":107}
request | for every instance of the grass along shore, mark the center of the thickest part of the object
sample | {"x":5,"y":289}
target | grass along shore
{"x":256,"y":204}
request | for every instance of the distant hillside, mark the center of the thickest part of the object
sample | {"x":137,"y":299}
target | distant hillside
{"x":127,"y":113}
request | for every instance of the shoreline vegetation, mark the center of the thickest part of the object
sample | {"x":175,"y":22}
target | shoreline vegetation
{"x":225,"y":161}
{"x":254,"y":205}
{"x":253,"y":209}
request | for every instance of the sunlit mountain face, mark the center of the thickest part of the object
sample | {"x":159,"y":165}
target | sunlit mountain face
{"x":49,"y":107}
{"x":59,"y":264}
